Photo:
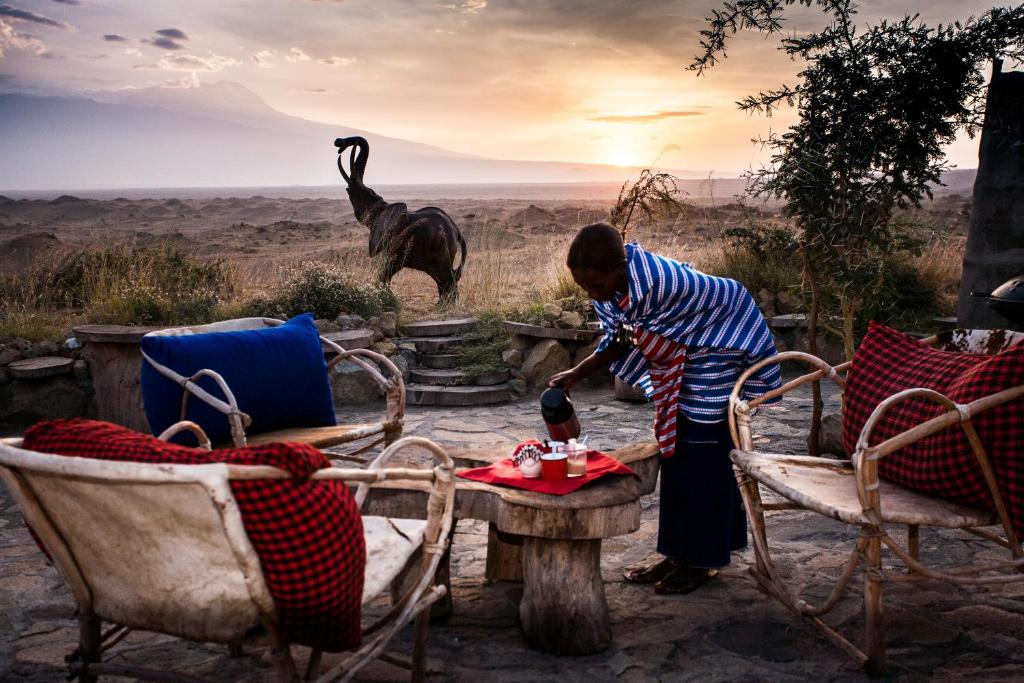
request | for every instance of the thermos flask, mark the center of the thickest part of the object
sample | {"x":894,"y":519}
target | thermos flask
{"x":559,"y":415}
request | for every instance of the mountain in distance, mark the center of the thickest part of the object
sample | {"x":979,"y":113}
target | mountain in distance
{"x":223,"y":135}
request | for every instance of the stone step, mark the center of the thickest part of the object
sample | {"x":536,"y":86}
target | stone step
{"x":435,"y":395}
{"x":42,"y":366}
{"x":351,"y":339}
{"x":437,"y":361}
{"x":456,"y":377}
{"x":438,"y":328}
{"x":434,"y":344}
{"x":549,"y":332}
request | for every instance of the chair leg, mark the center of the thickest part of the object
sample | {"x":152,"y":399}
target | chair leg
{"x":314,"y":664}
{"x":873,"y":618}
{"x":89,"y":645}
{"x":419,"y":647}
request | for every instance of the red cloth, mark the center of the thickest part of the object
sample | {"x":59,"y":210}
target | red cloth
{"x":503,"y":473}
{"x":308,"y":534}
{"x":666,"y":360}
{"x":943,"y":464}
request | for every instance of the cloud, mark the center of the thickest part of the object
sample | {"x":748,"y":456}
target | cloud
{"x":68,"y":2}
{"x":114,"y":38}
{"x":25,"y":15}
{"x":11,"y":39}
{"x":164,"y":43}
{"x":262,"y":59}
{"x":214,"y":62}
{"x":338,"y":61}
{"x":296,"y":55}
{"x":469,"y":6}
{"x":316,"y":91}
{"x":644,"y":118}
{"x":173,"y":33}
{"x":133,"y":52}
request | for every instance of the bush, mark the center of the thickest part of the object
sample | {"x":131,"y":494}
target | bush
{"x":760,"y":257}
{"x":480,"y":353}
{"x":327,"y":291}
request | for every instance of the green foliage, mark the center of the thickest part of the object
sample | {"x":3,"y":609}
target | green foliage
{"x":561,"y":290}
{"x":760,"y":257}
{"x":328,"y":291}
{"x":480,"y":353}
{"x":876,"y":107}
{"x":125,"y":285}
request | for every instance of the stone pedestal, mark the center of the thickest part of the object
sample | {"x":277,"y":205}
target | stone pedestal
{"x":115,"y":359}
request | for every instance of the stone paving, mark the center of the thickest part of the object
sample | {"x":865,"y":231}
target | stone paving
{"x":725,"y":631}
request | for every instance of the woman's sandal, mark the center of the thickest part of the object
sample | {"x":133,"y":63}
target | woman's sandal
{"x":684,"y":580}
{"x":650,"y":571}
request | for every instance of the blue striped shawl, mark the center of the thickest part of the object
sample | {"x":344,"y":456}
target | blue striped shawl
{"x":714,"y":317}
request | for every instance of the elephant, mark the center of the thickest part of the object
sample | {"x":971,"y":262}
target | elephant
{"x":426,"y":239}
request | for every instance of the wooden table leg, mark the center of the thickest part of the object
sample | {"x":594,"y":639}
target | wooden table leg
{"x":564,"y":611}
{"x":504,"y":555}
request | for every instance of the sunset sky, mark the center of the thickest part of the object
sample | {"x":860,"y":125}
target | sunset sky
{"x":575,"y":80}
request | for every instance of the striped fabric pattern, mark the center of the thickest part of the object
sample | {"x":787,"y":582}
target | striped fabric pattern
{"x":715,"y":318}
{"x":666,"y":361}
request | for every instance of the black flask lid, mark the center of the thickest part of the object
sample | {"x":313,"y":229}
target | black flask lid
{"x":555,"y":406}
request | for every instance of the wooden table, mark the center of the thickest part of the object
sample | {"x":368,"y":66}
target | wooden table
{"x":115,"y":360}
{"x":552,"y":543}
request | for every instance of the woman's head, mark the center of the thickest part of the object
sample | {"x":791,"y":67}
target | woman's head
{"x":597,"y":261}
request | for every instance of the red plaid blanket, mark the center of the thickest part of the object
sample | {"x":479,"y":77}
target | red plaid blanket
{"x":308,"y":534}
{"x":943,"y":464}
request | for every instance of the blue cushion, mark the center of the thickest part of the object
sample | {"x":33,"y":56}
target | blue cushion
{"x":277,"y":374}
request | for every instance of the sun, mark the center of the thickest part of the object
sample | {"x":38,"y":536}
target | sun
{"x":622,"y":155}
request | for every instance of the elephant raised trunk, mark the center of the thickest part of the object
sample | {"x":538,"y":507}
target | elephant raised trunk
{"x":426,"y":239}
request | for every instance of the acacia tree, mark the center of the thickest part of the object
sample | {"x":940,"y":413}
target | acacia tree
{"x":876,"y":105}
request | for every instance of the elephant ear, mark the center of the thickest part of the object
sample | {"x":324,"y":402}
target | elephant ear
{"x":388,"y":228}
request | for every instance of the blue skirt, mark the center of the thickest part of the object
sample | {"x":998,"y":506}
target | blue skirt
{"x":701,"y":516}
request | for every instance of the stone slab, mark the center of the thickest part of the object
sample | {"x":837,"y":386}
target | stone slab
{"x":437,"y":361}
{"x":436,"y":395}
{"x":549,"y":332}
{"x":438,"y":328}
{"x":351,"y":339}
{"x":442,"y":377}
{"x":788,"y":320}
{"x":114,"y":334}
{"x":434,"y":344}
{"x":43,"y":366}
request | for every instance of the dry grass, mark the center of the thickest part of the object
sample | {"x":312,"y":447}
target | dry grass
{"x":940,"y":266}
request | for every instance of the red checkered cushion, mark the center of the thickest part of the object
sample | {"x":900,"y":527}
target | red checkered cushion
{"x":308,"y":534}
{"x":943,"y":464}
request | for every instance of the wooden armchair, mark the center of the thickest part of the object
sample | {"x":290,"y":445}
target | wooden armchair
{"x":162,"y":548}
{"x":851,"y":492}
{"x":384,"y":431}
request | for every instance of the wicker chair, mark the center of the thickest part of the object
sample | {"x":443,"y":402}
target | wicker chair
{"x":131,"y":539}
{"x":385,"y":431}
{"x":851,"y":492}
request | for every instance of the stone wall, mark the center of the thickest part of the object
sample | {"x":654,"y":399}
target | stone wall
{"x":40,"y":380}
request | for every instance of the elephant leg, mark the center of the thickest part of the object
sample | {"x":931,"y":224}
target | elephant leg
{"x":447,"y":287}
{"x":388,"y":270}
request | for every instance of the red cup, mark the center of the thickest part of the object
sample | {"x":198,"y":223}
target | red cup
{"x":554,"y":467}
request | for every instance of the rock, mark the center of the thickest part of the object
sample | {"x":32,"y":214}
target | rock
{"x":72,"y":343}
{"x":323,"y":325}
{"x":788,"y":302}
{"x":351,"y":385}
{"x":5,"y":377}
{"x":569,"y":320}
{"x":402,"y":363}
{"x":582,"y":352}
{"x":546,"y":358}
{"x":48,"y":347}
{"x":32,"y":352}
{"x":386,"y":323}
{"x":385,"y":347}
{"x":521,"y":342}
{"x":512,"y":358}
{"x":408,"y":355}
{"x":552,"y":312}
{"x":80,"y":369}
{"x":518,"y":386}
{"x":8,"y":356}
{"x":766,"y":302}
{"x":830,"y":440}
{"x":27,"y":402}
{"x":349,"y":321}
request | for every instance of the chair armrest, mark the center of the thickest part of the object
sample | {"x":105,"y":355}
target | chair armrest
{"x":865,"y":457}
{"x":394,"y":387}
{"x":186,"y":426}
{"x":740,"y":409}
{"x":237,"y":420}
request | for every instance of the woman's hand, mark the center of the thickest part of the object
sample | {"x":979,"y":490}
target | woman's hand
{"x":565,"y":379}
